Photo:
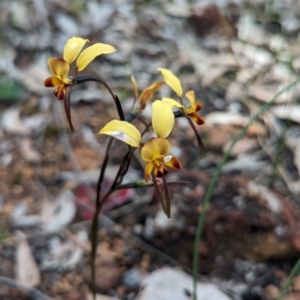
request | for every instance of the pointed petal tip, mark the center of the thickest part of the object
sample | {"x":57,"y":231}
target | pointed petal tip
{"x":172,"y":81}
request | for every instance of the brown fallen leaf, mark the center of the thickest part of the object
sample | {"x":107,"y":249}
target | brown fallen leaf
{"x":265,"y":95}
{"x":236,"y":119}
{"x":288,"y":112}
{"x":242,"y":146}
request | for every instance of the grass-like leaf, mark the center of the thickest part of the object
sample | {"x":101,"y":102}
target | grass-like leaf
{"x":214,"y":180}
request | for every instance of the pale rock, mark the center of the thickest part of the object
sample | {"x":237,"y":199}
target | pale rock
{"x":172,"y":284}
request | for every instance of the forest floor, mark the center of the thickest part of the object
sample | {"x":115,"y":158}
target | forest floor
{"x":235,"y":55}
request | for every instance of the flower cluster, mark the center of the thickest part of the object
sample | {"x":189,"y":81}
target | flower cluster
{"x":155,"y":152}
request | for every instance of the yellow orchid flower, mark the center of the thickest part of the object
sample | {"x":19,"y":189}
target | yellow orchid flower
{"x":175,"y":84}
{"x":193,"y":108}
{"x":60,"y":67}
{"x":146,"y":94}
{"x":154,"y":152}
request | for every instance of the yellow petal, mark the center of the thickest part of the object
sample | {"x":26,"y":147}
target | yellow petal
{"x":148,"y":170}
{"x":171,"y":80}
{"x":148,"y":92}
{"x":162,"y":118}
{"x":155,"y":149}
{"x":68,"y":81}
{"x":59,"y":67}
{"x":122,"y":131}
{"x":91,"y":53}
{"x":73,"y":47}
{"x":172,"y":102}
{"x":191,"y":96}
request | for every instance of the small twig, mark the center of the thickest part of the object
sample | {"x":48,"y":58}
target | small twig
{"x":29,"y":291}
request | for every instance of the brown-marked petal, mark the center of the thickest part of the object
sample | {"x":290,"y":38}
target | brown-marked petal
{"x":197,"y":118}
{"x":171,"y":80}
{"x":91,"y":53}
{"x":172,"y":162}
{"x":162,"y":118}
{"x":148,"y":92}
{"x":59,"y":67}
{"x":52,"y":81}
{"x":73,"y":47}
{"x":160,"y":171}
{"x":60,"y":93}
{"x":155,"y":148}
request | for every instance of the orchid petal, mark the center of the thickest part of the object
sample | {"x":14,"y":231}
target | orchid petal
{"x":172,"y":81}
{"x":154,"y":149}
{"x":59,"y":67}
{"x":123,"y":131}
{"x":73,"y":47}
{"x":197,"y":118}
{"x":172,"y":162}
{"x":91,"y":53}
{"x":52,"y":81}
{"x":148,"y":170}
{"x":67,"y":81}
{"x":172,"y":102}
{"x":162,"y":118}
{"x":160,"y":171}
{"x":191,"y":96}
{"x":148,"y":92}
{"x":60,"y":92}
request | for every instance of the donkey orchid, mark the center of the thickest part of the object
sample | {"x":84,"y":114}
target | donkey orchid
{"x":156,"y":150}
{"x":60,"y":68}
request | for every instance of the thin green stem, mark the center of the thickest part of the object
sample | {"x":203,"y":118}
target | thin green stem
{"x":214,"y":180}
{"x":288,"y":282}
